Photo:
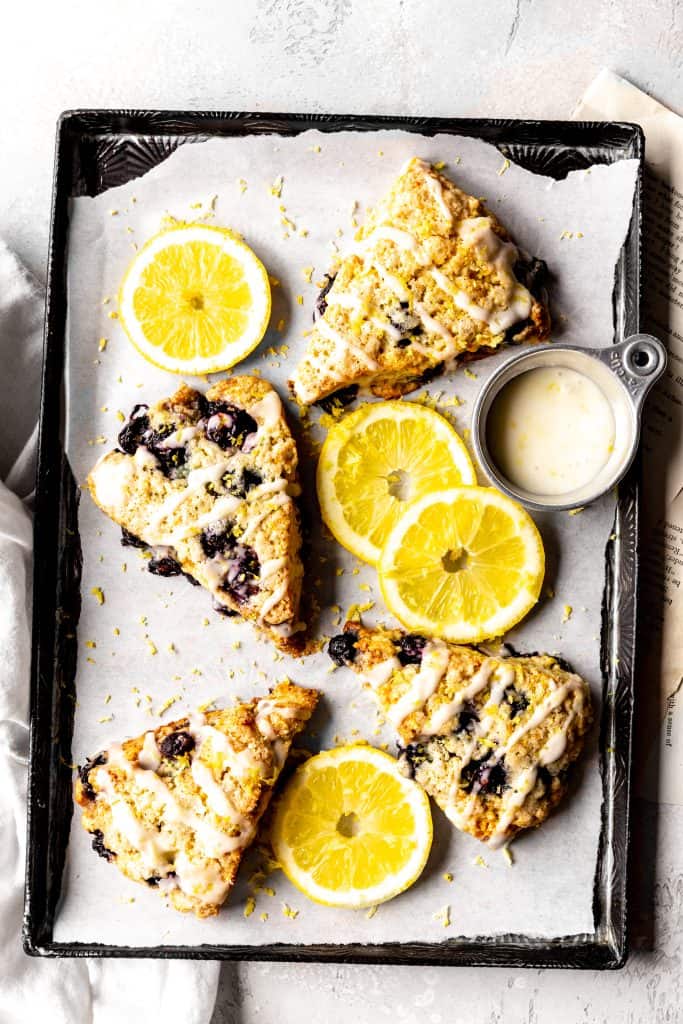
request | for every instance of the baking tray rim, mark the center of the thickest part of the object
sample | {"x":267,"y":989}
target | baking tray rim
{"x":607,"y":946}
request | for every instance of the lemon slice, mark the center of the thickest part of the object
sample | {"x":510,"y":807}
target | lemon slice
{"x":350,"y":830}
{"x":464,"y":564}
{"x":195,"y":299}
{"x":376,"y":460}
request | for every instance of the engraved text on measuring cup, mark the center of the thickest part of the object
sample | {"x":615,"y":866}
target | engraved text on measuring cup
{"x":618,"y":367}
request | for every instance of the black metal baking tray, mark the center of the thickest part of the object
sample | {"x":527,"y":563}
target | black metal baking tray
{"x":100,"y":149}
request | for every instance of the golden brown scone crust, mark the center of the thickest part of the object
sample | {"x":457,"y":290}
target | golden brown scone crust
{"x":477,"y":756}
{"x":433,"y":281}
{"x":225,"y":512}
{"x":153,"y":823}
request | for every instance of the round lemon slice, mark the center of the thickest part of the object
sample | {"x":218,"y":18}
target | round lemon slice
{"x":377,"y":459}
{"x":350,"y":830}
{"x":464,"y":564}
{"x":195,"y":299}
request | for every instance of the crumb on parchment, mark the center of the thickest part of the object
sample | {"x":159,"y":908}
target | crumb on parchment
{"x":168,"y":703}
{"x":443,"y":915}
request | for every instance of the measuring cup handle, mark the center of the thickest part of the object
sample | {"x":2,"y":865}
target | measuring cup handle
{"x":639,"y":361}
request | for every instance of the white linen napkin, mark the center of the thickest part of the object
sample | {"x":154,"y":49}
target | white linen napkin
{"x":33,"y":989}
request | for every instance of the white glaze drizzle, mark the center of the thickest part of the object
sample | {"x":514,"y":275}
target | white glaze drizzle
{"x":216,"y":797}
{"x":150,"y":755}
{"x":145,"y":459}
{"x":271,"y":566}
{"x":275,"y":501}
{"x":552,"y":701}
{"x":224,"y":506}
{"x":381,"y":673}
{"x":503,"y":676}
{"x":268,"y":488}
{"x":434,"y":186}
{"x":447,"y":711}
{"x":241,"y":764}
{"x":196,"y":481}
{"x":214,"y":570}
{"x":267,"y":411}
{"x":148,"y":842}
{"x":222,"y":509}
{"x":347,"y":300}
{"x":476,"y":231}
{"x":399,"y":236}
{"x":272,"y":601}
{"x":388,"y":328}
{"x":265,"y":708}
{"x":433,"y":325}
{"x":112,"y":476}
{"x":343,"y":343}
{"x":285,"y":629}
{"x":523,"y":784}
{"x":201,"y":881}
{"x":214,"y":841}
{"x":393,"y":283}
{"x":514,"y":798}
{"x":175,"y":440}
{"x":424,"y":683}
{"x":556,"y":745}
{"x":430,"y":324}
{"x":280,"y":748}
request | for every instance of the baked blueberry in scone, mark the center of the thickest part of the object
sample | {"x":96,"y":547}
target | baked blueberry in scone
{"x":176,"y":807}
{"x":432,"y":281}
{"x":490,"y":739}
{"x":208,"y":483}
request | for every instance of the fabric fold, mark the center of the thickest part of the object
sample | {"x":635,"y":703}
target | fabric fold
{"x":32,"y":989}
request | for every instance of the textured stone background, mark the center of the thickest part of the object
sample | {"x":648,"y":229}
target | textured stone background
{"x":516,"y":58}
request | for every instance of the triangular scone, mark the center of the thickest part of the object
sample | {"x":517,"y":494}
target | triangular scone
{"x":432,"y":281}
{"x":176,"y":807}
{"x":489,"y":738}
{"x":208,"y":484}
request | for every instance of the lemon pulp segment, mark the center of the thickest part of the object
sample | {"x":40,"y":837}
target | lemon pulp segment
{"x":378,"y":459}
{"x":195,"y":299}
{"x":465,"y":564}
{"x":350,"y":830}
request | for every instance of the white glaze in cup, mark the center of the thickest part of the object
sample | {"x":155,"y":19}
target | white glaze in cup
{"x":624,"y":373}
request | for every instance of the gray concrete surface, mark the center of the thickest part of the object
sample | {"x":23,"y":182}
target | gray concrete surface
{"x":517,"y":58}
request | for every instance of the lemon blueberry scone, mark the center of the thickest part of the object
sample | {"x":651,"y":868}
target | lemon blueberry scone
{"x":433,"y":280}
{"x":176,"y":807}
{"x":490,"y":739}
{"x":208,"y":484}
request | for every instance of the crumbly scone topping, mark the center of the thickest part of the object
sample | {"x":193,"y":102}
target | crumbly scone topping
{"x":176,"y":807}
{"x":433,"y":280}
{"x":489,"y":738}
{"x":208,"y":484}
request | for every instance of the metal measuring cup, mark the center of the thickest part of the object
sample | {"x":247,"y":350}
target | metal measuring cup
{"x":624,"y":372}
